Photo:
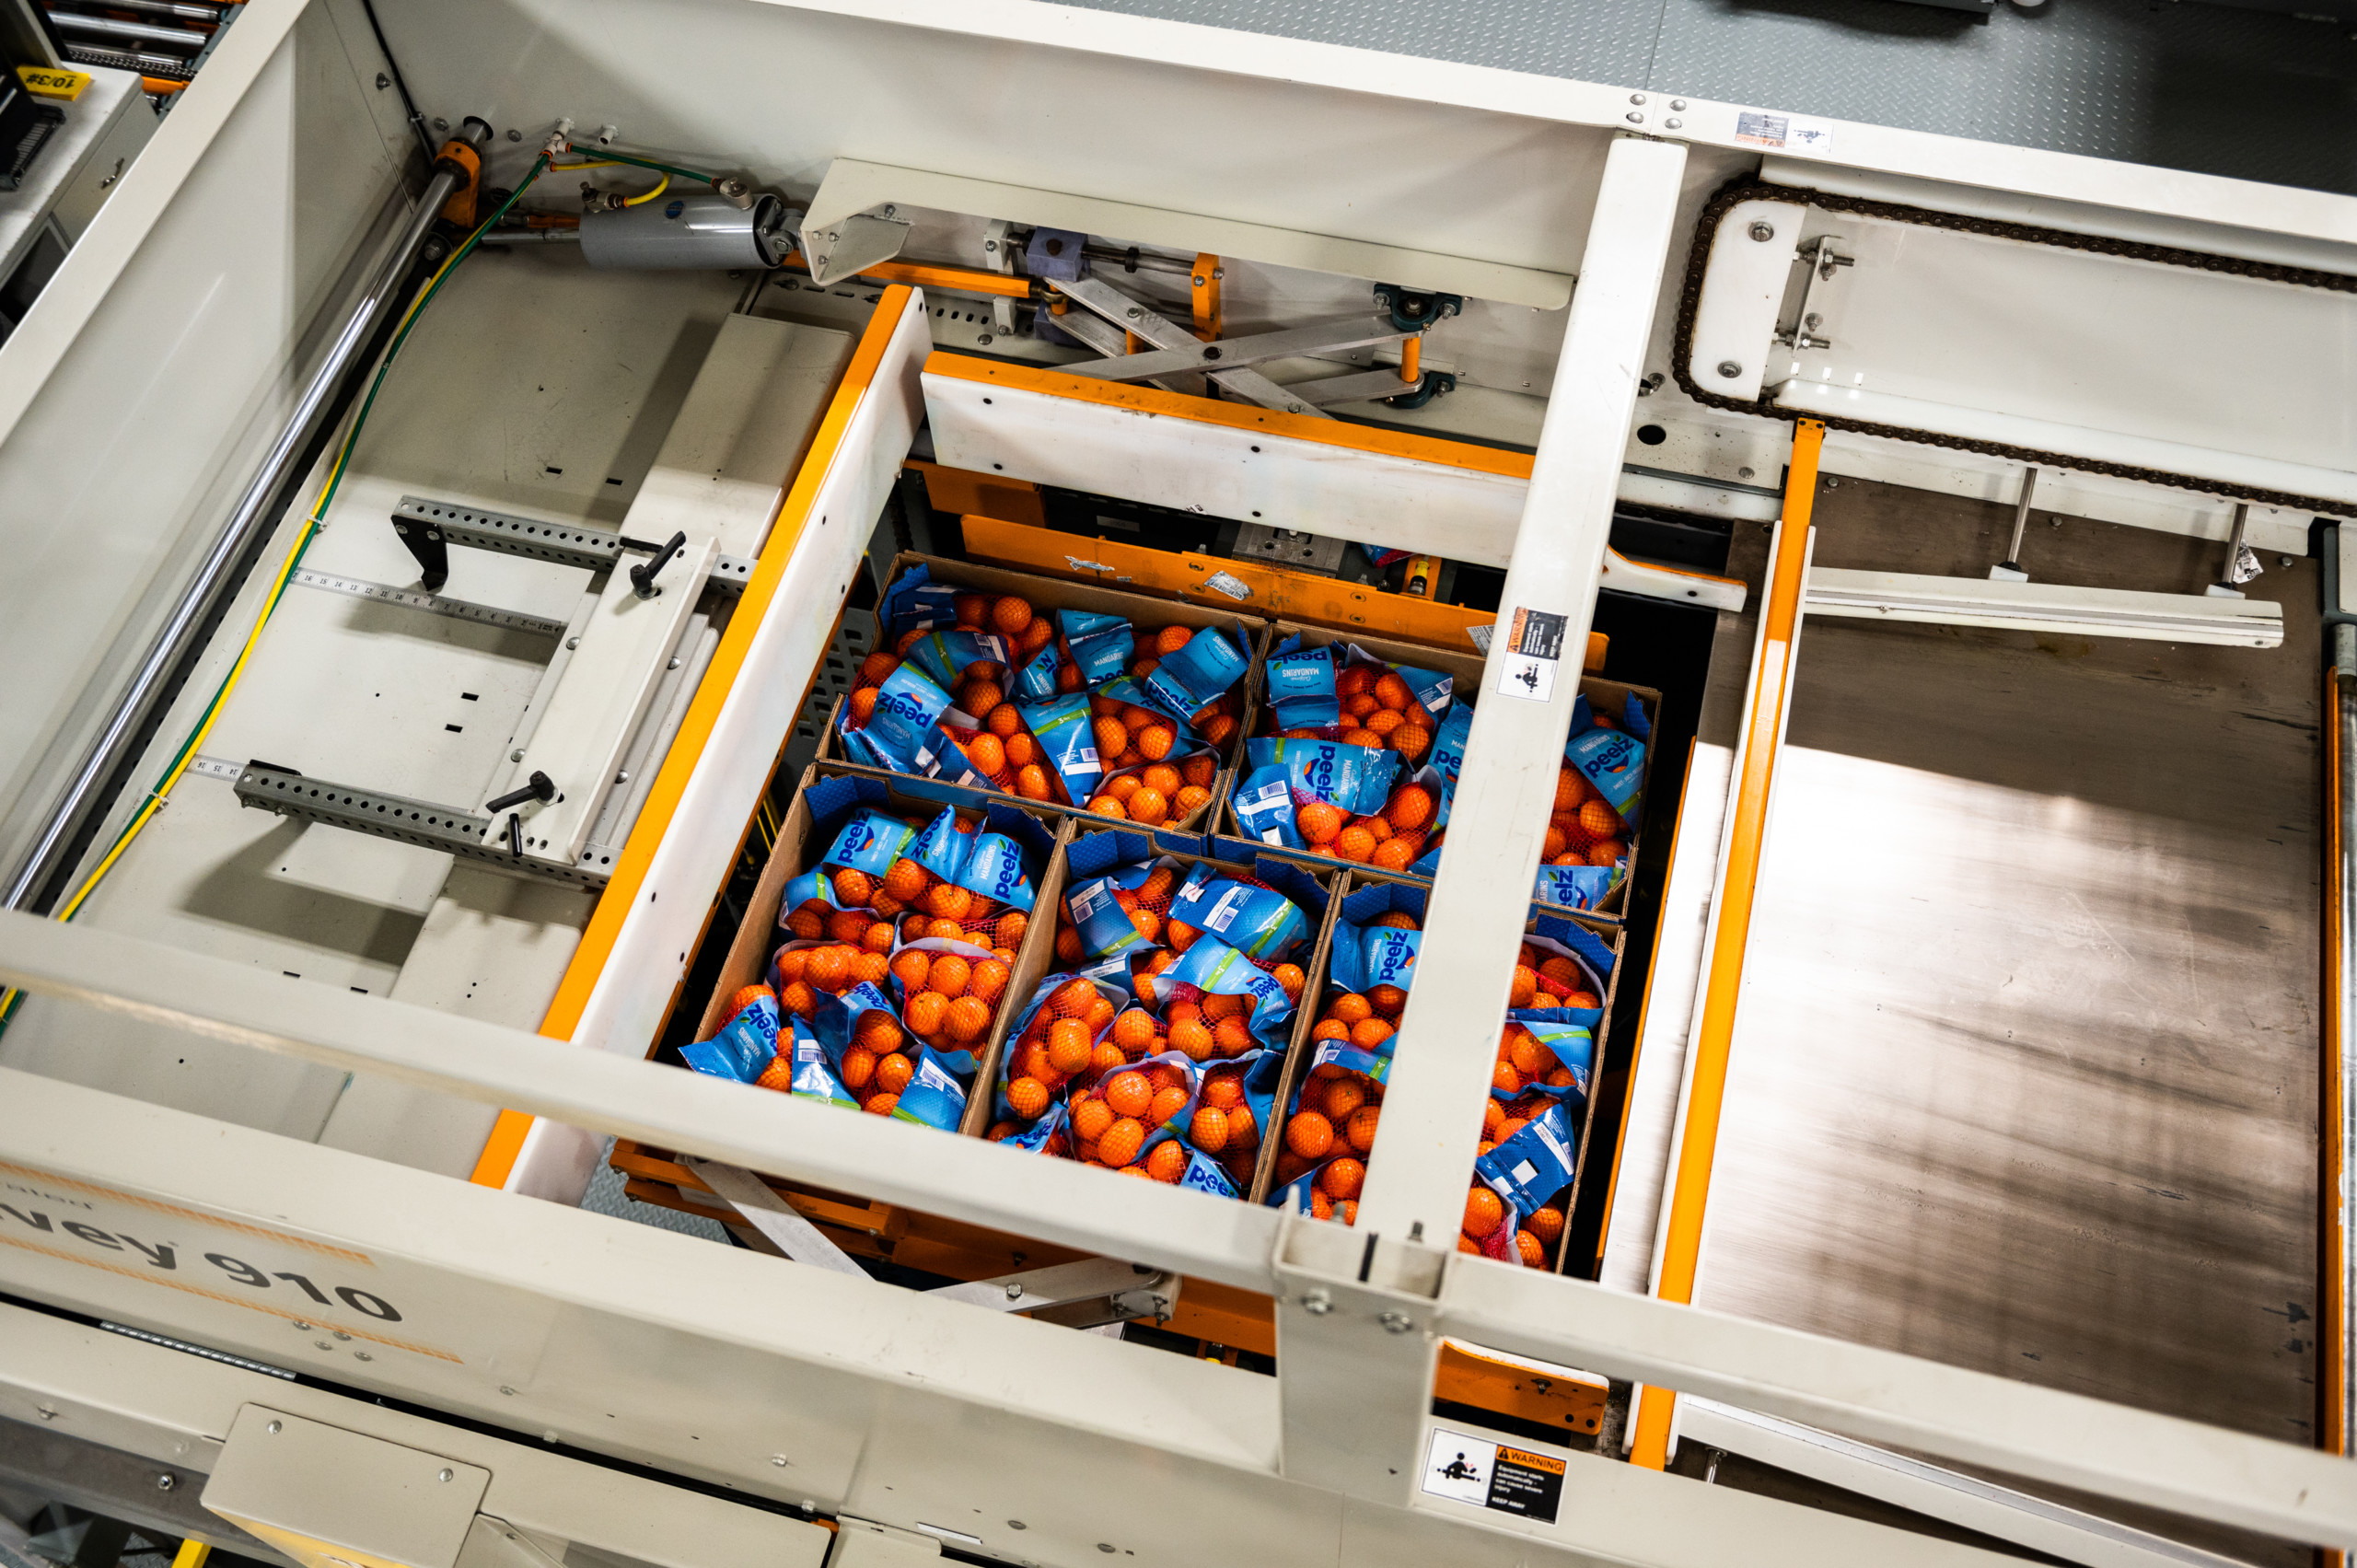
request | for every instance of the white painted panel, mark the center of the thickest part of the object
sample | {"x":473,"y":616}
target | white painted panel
{"x":158,"y":363}
{"x":650,"y":954}
{"x":1253,"y":475}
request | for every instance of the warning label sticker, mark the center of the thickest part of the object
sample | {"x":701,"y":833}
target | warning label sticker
{"x":1534,"y":647}
{"x":1782,"y":131}
{"x":1471,"y":1469}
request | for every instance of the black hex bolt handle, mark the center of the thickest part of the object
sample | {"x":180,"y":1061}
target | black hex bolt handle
{"x":541,"y":788}
{"x":641,"y":576}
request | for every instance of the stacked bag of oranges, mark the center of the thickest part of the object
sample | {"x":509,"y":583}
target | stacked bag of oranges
{"x":900,"y":945}
{"x":1070,"y":706}
{"x":1530,"y":1126}
{"x":1599,"y":787}
{"x":1156,"y":1049}
{"x":1349,"y":762}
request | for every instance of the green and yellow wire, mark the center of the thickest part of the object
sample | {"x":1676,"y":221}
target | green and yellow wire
{"x":176,"y":770}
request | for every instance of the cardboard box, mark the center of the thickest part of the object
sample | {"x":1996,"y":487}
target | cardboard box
{"x":1087,"y":854}
{"x":1463,"y":670}
{"x":1055,"y":593}
{"x":1359,"y":899}
{"x":826,"y":797}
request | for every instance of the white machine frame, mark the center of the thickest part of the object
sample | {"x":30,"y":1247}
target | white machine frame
{"x":849,"y":1397}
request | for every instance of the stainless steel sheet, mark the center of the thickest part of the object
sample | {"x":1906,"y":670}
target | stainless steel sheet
{"x":2025,"y":1075}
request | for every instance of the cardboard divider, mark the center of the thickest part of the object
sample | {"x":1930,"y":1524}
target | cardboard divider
{"x":1142,"y":612}
{"x":1088,"y":854}
{"x":1463,"y":670}
{"x":1360,"y":898}
{"x":827,"y":795}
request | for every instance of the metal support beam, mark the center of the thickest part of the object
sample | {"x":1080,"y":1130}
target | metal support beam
{"x":1355,"y":1333}
{"x":1881,"y":1395}
{"x":430,"y":528}
{"x":1161,"y":331}
{"x":426,"y":823}
{"x":1316,"y":338}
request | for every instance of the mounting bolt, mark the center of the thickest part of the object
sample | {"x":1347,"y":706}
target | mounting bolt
{"x":1635,"y":118}
{"x":46,"y":1413}
{"x":301,"y":1327}
{"x":1678,"y":103}
{"x":362,"y":1355}
{"x":515,"y":136}
{"x":673,"y":665}
{"x":1014,"y":1292}
{"x":505,"y":1389}
{"x":778,"y":1459}
{"x":1637,"y":98}
{"x":1672,"y":124}
{"x":383,"y":81}
{"x":1316,"y":1302}
{"x":339,"y":1333}
{"x":1762,"y":231}
{"x":516,"y":755}
{"x":1730,"y":369}
{"x":2284,"y":561}
{"x":1199,"y":281}
{"x":1394,"y":1322}
{"x":572,"y":643}
{"x":275,"y":1426}
{"x":441,"y":1475}
{"x":166,"y":1481}
{"x":1133,"y":313}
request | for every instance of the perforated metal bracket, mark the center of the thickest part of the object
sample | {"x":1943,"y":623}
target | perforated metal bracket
{"x":428,"y":824}
{"x":429,"y":527}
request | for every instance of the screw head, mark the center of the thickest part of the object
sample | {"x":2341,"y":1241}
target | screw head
{"x":1730,"y":369}
{"x":362,"y":1355}
{"x":1635,"y":118}
{"x":989,"y":244}
{"x":383,"y":81}
{"x":673,"y":665}
{"x":1133,"y":313}
{"x":778,"y":1459}
{"x":440,"y":123}
{"x":166,"y":1481}
{"x":1678,"y":103}
{"x":1316,"y":1302}
{"x":339,"y":1333}
{"x":1762,"y":231}
{"x":983,"y":341}
{"x":515,"y":136}
{"x":572,"y":643}
{"x":302,"y":1327}
{"x":441,"y":1475}
{"x":275,"y":1428}
{"x":2284,"y":559}
{"x":516,"y":755}
{"x":505,"y":1389}
{"x":1199,"y":281}
{"x":1014,"y":1292}
{"x":1672,"y":124}
{"x":1394,"y":1322}
{"x":1637,"y":98}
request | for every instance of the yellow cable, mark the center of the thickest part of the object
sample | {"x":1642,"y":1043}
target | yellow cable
{"x":661,"y":186}
{"x":593,"y":163}
{"x":155,"y":798}
{"x":192,"y":1554}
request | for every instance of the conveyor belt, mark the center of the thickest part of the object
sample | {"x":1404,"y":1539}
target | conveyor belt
{"x":2025,"y":1077}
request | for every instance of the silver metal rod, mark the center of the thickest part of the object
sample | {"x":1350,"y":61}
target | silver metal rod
{"x":2021,"y":515}
{"x":136,"y":35}
{"x":2342,"y":1256}
{"x":183,"y":10}
{"x":213,"y":581}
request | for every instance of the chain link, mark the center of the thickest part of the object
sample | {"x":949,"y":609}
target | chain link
{"x":1747,"y":189}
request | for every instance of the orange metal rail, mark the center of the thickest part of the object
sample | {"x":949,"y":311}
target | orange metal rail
{"x":1772,"y":688}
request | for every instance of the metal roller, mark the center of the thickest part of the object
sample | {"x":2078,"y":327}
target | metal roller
{"x":706,"y":229}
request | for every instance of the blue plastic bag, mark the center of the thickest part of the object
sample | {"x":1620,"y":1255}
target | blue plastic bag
{"x":1212,"y":966}
{"x":1185,"y":681}
{"x":1355,"y":778}
{"x":1264,"y":808}
{"x":1299,"y":688}
{"x":1067,"y":738}
{"x":1258,"y":921}
{"x":1100,"y":645}
{"x":907,"y":706}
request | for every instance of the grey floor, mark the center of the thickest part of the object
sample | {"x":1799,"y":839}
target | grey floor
{"x":2250,"y":94}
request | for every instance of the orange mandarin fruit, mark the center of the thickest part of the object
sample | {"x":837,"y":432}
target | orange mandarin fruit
{"x":949,"y":974}
{"x":1106,"y":1057}
{"x":1090,"y":1118}
{"x":1150,"y":806}
{"x":907,"y":880}
{"x":968,"y":1019}
{"x":859,"y":1067}
{"x":893,"y":1072}
{"x":1032,"y":782}
{"x":1354,"y":844}
{"x":1342,"y":1178}
{"x":1192,"y":1039}
{"x":1546,"y":1224}
{"x":987,"y":980}
{"x":1133,"y":1030}
{"x":1027,"y":1097}
{"x":1319,"y":823}
{"x":1130,"y":1094}
{"x":1359,"y":1132}
{"x":1166,"y":1103}
{"x":1309,"y":1134}
{"x":1011,"y":615}
{"x":1122,"y":1142}
{"x":1411,"y":808}
{"x":1068,"y":1046}
{"x":862,"y":706}
{"x":1208,"y":1130}
{"x":1483,"y":1213}
{"x":1529,"y":1249}
{"x":1411,"y":740}
{"x":1167,"y":1162}
{"x":926,"y":1012}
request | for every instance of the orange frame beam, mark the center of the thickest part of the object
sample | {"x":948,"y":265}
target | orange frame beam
{"x":1771,"y":690}
{"x":497,"y":1161}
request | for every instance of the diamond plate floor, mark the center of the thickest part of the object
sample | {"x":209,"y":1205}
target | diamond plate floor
{"x":2249,"y":94}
